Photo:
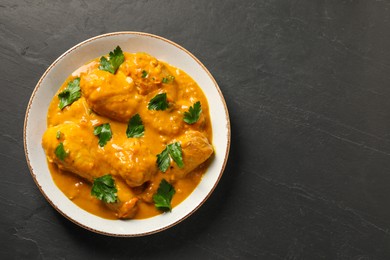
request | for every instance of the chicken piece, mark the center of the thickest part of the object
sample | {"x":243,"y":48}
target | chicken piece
{"x":79,"y":147}
{"x":147,"y":72}
{"x":86,"y":159}
{"x":129,"y":160}
{"x":196,"y":149}
{"x":110,"y":95}
{"x":119,"y":95}
{"x":168,"y":123}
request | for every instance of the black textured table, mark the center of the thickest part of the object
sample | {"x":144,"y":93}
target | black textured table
{"x":307,"y":85}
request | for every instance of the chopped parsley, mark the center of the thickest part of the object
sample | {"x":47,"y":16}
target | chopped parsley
{"x":159,"y":102}
{"x":104,"y":133}
{"x":144,"y":74}
{"x":70,"y":94}
{"x":104,"y":189}
{"x":192,"y":115}
{"x":173,"y":151}
{"x":60,"y":152}
{"x":168,"y":79}
{"x":162,"y":199}
{"x":58,"y":135}
{"x":115,"y":59}
{"x":135,"y":128}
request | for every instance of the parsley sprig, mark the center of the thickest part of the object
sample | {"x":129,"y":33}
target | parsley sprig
{"x":60,"y":152}
{"x":104,"y":133}
{"x":192,"y":115}
{"x":159,"y":102}
{"x":162,"y":199}
{"x":70,"y":94}
{"x":135,"y":127}
{"x":173,"y":151}
{"x":104,"y":189}
{"x":115,"y":59}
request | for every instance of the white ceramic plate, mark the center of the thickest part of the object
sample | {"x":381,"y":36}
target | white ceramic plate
{"x":55,"y":75}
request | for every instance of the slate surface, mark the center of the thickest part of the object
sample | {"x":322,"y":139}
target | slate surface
{"x":307,"y":86}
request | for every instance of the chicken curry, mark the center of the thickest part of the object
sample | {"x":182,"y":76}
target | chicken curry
{"x":128,"y":136}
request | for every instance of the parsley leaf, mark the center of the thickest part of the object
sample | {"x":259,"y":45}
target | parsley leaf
{"x":104,"y":133}
{"x":70,"y":94}
{"x":168,"y":79}
{"x":159,"y":102}
{"x":135,"y":128}
{"x":144,"y":74}
{"x":106,"y":65}
{"x":60,"y":152}
{"x":163,"y":160}
{"x":176,"y":153}
{"x":58,"y":135}
{"x":115,"y":59}
{"x":104,"y":189}
{"x":171,"y":151}
{"x":162,"y":199}
{"x":192,"y":115}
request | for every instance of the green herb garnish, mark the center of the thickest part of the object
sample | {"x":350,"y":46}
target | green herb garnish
{"x":159,"y":102}
{"x":104,"y":189}
{"x":144,"y":74}
{"x":115,"y":59}
{"x":162,"y":199}
{"x":176,"y":153}
{"x":173,"y":151}
{"x":168,"y":79}
{"x":58,"y":135}
{"x":60,"y":152}
{"x":104,"y":133}
{"x":70,"y":94}
{"x":163,"y":160}
{"x":135,"y":128}
{"x":192,"y":115}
